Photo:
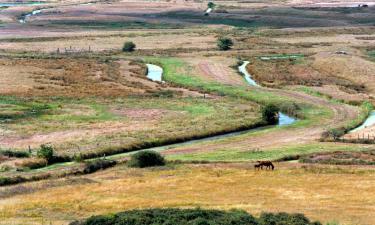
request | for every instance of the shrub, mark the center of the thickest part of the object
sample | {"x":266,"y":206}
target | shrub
{"x":334,"y":134}
{"x":211,"y":5}
{"x":128,"y":47}
{"x":270,"y":114}
{"x":174,"y":216}
{"x":45,"y":152}
{"x":32,"y":163}
{"x":99,"y":164}
{"x":290,"y":109}
{"x":16,"y":154}
{"x":224,"y":43}
{"x":146,"y":159}
{"x":285,"y":218}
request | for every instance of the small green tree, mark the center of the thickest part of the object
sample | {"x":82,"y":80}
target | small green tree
{"x":224,"y":43}
{"x":45,"y":152}
{"x":146,"y":159}
{"x":270,"y":114}
{"x":211,"y":5}
{"x":128,"y":47}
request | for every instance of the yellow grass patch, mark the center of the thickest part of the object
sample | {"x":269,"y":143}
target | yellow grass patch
{"x":345,"y":195}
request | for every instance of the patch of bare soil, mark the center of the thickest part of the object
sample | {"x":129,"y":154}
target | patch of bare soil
{"x":217,"y":68}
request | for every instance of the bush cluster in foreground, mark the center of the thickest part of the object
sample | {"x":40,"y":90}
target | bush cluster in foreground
{"x":175,"y":216}
{"x":146,"y":159}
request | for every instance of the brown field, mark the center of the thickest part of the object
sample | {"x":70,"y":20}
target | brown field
{"x":327,"y":191}
{"x":65,"y":81}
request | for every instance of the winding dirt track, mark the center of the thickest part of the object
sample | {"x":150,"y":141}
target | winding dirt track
{"x":342,"y":114}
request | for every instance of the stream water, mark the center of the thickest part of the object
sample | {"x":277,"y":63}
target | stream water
{"x":283,"y":118}
{"x":370,"y":121}
{"x":154,"y":72}
{"x":24,"y":18}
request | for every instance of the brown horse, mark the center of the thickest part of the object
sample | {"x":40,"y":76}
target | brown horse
{"x":258,"y":167}
{"x":267,"y":164}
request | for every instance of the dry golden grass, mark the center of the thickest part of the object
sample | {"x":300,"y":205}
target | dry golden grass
{"x":151,"y":40}
{"x":330,"y":193}
{"x":66,"y":77}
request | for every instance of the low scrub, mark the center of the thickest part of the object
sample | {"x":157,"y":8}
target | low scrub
{"x":32,"y":163}
{"x":146,"y":159}
{"x":174,"y":216}
{"x":341,"y":158}
{"x":15,"y":154}
{"x":99,"y":164}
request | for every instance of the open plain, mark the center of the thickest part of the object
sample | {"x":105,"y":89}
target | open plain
{"x":68,"y":83}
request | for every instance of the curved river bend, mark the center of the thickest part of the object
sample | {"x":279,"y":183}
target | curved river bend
{"x":283,"y":118}
{"x":370,"y":121}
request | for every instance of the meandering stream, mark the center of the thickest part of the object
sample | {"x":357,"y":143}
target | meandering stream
{"x":24,"y":18}
{"x":154,"y":72}
{"x":283,"y":118}
{"x":370,"y":121}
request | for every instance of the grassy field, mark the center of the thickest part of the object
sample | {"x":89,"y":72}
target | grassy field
{"x":98,"y":124}
{"x":65,"y":81}
{"x":322,"y":193}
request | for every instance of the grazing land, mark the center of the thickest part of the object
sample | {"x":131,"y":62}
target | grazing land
{"x":73,"y":101}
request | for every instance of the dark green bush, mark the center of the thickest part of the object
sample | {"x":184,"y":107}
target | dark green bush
{"x":16,"y":154}
{"x":270,"y":114}
{"x":146,"y":159}
{"x":45,"y":152}
{"x":211,"y":5}
{"x":98,"y":164}
{"x":224,"y":43}
{"x":285,"y":219}
{"x":174,"y":216}
{"x":128,"y":47}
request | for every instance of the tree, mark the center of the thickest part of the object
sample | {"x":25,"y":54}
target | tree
{"x":224,"y":43}
{"x":45,"y":152}
{"x":128,"y":46}
{"x":270,"y":114}
{"x":211,"y":5}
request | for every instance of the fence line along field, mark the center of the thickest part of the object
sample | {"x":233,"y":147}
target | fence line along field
{"x":118,"y":111}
